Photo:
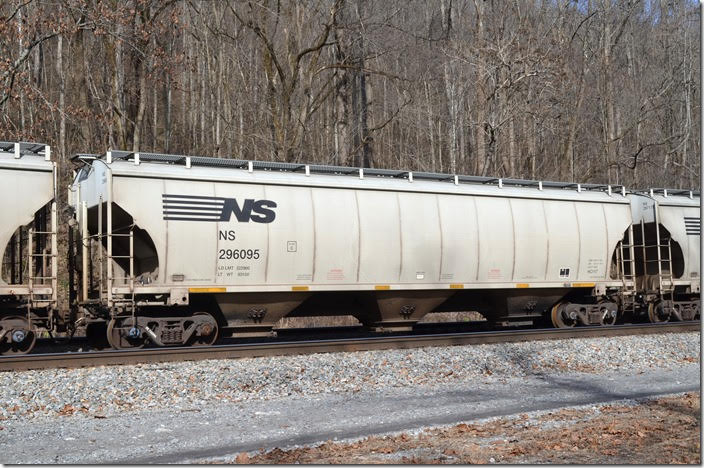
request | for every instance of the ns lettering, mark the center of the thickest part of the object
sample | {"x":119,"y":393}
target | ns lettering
{"x":228,"y":235}
{"x":258,"y":211}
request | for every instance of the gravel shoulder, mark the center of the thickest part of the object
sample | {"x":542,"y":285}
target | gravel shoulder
{"x":662,"y":430}
{"x":212,"y":410}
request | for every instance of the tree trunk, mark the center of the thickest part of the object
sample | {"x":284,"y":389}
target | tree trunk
{"x":609,"y":114}
{"x":142,"y":104}
{"x":431,"y":133}
{"x":575,"y":115}
{"x":451,"y":96}
{"x":62,"y":99}
{"x":366,"y":160}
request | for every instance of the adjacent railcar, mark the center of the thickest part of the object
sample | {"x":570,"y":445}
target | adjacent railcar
{"x":178,"y":249}
{"x":661,"y":253}
{"x":28,"y":245}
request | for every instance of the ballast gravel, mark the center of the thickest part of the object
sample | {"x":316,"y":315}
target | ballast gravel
{"x":111,"y":390}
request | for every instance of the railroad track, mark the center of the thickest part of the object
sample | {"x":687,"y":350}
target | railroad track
{"x":287,"y":348}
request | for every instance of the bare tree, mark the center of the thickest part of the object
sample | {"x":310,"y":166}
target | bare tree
{"x":598,"y":91}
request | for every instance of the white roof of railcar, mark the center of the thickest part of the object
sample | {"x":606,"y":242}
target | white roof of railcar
{"x":156,"y":165}
{"x":672,"y":197}
{"x":25,"y":156}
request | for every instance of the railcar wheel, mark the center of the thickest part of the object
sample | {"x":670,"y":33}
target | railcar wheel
{"x":607,"y":318}
{"x":207,"y":333}
{"x":122,"y":334}
{"x":657,"y":313}
{"x":19,"y":337}
{"x":559,"y":320}
{"x":97,"y":335}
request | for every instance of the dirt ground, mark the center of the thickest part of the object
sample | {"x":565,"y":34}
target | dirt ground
{"x":665,"y":430}
{"x":348,"y":320}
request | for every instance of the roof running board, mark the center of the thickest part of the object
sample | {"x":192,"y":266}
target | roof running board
{"x":23,"y":148}
{"x":201,"y":161}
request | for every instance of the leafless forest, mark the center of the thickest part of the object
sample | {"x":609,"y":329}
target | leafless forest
{"x":574,"y":90}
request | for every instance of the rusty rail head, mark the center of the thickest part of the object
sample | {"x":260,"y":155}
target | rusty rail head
{"x":288,"y":348}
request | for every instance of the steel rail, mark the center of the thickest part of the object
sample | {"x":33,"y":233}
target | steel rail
{"x":289,"y":348}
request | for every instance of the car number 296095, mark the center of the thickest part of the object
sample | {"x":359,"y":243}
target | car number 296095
{"x":237,"y":254}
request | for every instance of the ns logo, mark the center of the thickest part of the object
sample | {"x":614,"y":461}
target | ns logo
{"x":216,"y":209}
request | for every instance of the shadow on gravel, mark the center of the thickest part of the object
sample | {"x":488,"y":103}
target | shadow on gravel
{"x":541,"y":391}
{"x":580,"y":386}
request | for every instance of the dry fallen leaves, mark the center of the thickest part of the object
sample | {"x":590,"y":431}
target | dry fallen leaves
{"x":67,"y":410}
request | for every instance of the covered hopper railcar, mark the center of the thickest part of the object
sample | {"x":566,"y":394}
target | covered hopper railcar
{"x":28,"y":246}
{"x":660,"y":256}
{"x":178,"y":250}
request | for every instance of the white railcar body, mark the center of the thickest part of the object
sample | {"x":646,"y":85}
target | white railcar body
{"x":28,"y":245}
{"x":28,"y":177}
{"x":229,"y":231}
{"x":179,"y":250}
{"x":336,"y":233}
{"x":678,"y":213}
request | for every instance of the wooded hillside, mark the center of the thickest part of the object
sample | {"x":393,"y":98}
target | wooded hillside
{"x":583,"y":90}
